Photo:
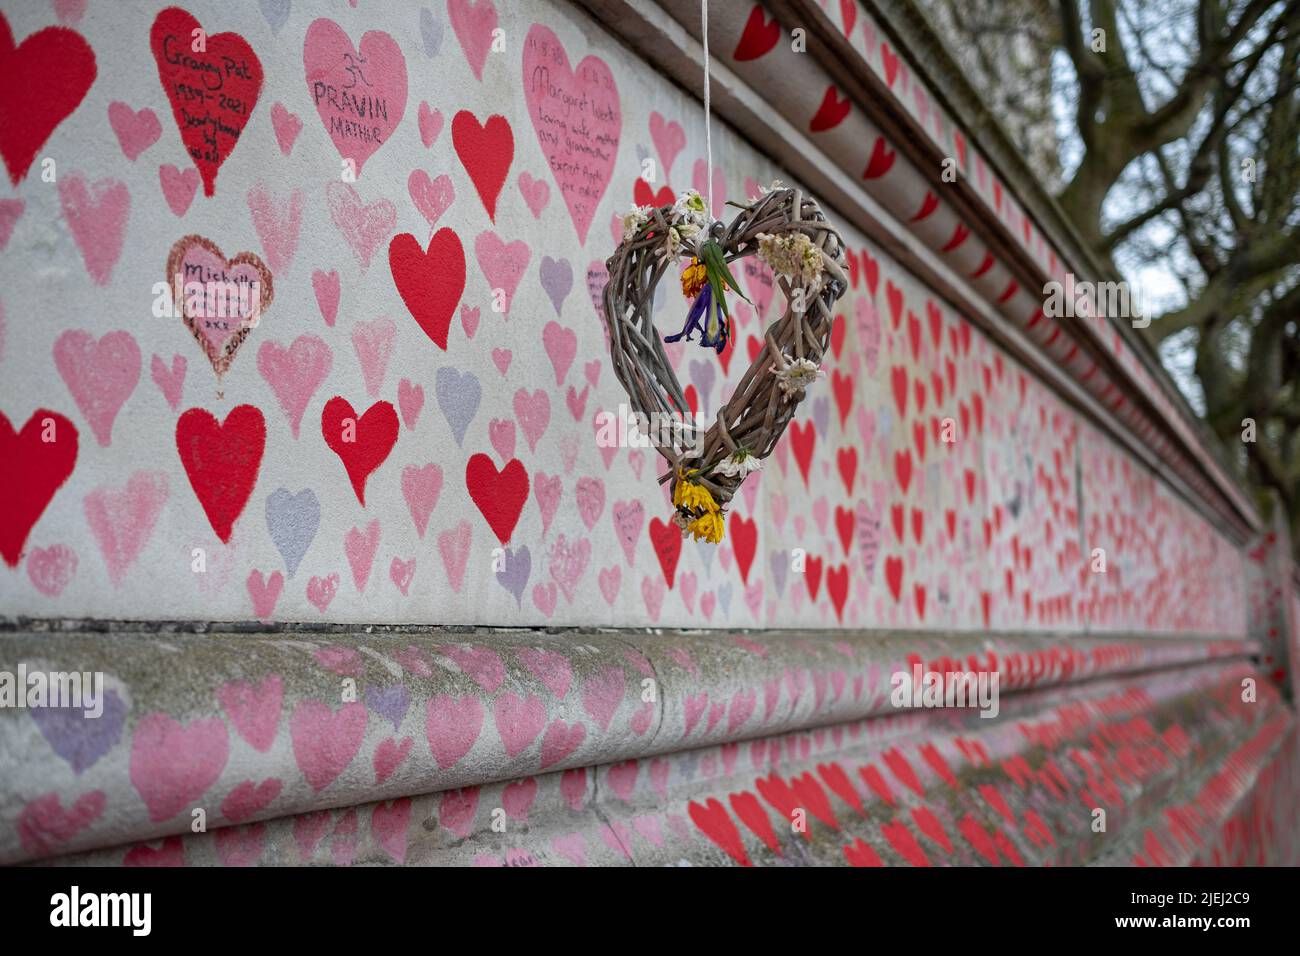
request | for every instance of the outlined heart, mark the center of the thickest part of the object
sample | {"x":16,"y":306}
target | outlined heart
{"x":201,"y":279}
{"x":34,"y":464}
{"x":430,"y":281}
{"x":45,"y":78}
{"x":222,"y":460}
{"x":584,"y":103}
{"x":362,"y":442}
{"x":210,"y":122}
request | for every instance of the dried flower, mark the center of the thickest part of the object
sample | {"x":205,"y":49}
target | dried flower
{"x":694,"y":276}
{"x":691,"y":210}
{"x":689,"y":495}
{"x":738,"y":464}
{"x":633,"y":220}
{"x":709,"y":527}
{"x":796,"y":376}
{"x":792,"y":255}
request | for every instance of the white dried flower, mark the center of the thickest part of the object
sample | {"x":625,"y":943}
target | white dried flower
{"x":796,"y":376}
{"x":792,"y":255}
{"x":738,"y":464}
{"x":691,"y":209}
{"x":633,"y":220}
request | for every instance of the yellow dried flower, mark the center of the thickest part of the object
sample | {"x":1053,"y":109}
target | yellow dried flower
{"x":694,"y":276}
{"x":708,"y":526}
{"x":692,"y":496}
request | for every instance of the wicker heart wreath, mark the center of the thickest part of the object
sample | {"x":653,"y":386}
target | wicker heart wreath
{"x":788,"y":231}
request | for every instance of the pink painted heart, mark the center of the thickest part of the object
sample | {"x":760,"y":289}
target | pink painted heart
{"x":629,"y":519}
{"x":96,"y":216}
{"x":431,"y":196}
{"x":590,"y":493}
{"x":136,"y":131}
{"x":536,"y":194}
{"x":123,"y":520}
{"x":501,"y":359}
{"x":560,"y":741}
{"x":254,"y":709}
{"x":669,"y":139}
{"x":585,"y":101}
{"x":360,"y":94}
{"x":547,"y":489}
{"x":503,"y":264}
{"x":248,"y":799}
{"x":430,"y":123}
{"x":474,"y":22}
{"x":171,"y":382}
{"x":410,"y":401}
{"x":533,"y":411}
{"x":178,"y":187}
{"x":518,"y":720}
{"x":469,"y":320}
{"x":326,"y":287}
{"x":294,"y":374}
{"x":610,"y":579}
{"x":550,"y":667}
{"x":451,"y":726}
{"x":286,"y":125}
{"x":421,"y":487}
{"x":453,"y":546}
{"x":101,"y":375}
{"x":173,"y":764}
{"x":265,"y":593}
{"x":360,"y":548}
{"x":602,"y":693}
{"x":501,"y":433}
{"x":325,"y":741}
{"x":364,"y":226}
{"x":561,"y":344}
{"x":401,"y":572}
{"x":373,"y":343}
{"x":389,"y":755}
{"x":277,"y":222}
{"x":51,"y":569}
{"x":321,"y":591}
{"x":388,"y":826}
{"x":544,"y":599}
{"x":44,"y":826}
{"x":483,"y":664}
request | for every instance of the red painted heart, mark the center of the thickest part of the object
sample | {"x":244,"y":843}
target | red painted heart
{"x":44,"y":78}
{"x":500,"y":495}
{"x":34,"y":464}
{"x":362,"y":442}
{"x":430,"y":281}
{"x":486,"y":150}
{"x":212,"y":91}
{"x":222,"y":460}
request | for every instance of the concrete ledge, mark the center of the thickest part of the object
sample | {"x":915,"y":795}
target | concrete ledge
{"x":933,"y":788}
{"x":253,"y":727}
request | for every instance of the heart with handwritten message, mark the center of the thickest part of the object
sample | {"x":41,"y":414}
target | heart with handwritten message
{"x":220,"y":300}
{"x":212,"y":90}
{"x":578,"y":121}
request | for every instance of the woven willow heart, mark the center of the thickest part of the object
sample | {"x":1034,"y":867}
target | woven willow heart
{"x":762,"y":405}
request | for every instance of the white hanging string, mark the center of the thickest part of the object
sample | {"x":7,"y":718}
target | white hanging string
{"x":708,"y":124}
